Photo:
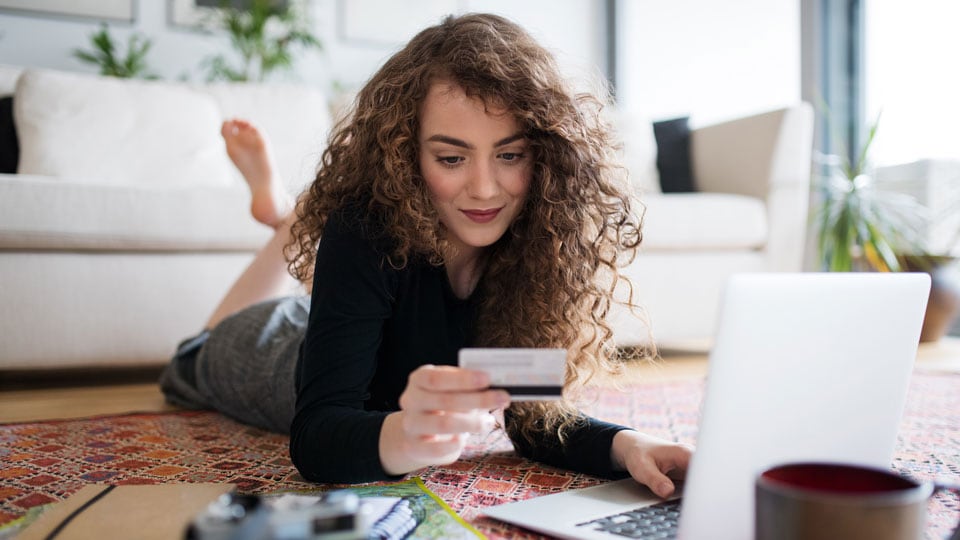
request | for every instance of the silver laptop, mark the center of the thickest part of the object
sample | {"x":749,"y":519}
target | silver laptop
{"x":809,"y":366}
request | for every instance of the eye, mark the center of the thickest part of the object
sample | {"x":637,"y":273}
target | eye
{"x":511,"y":156}
{"x":449,"y":161}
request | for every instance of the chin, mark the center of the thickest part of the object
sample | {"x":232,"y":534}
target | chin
{"x":481,"y":240}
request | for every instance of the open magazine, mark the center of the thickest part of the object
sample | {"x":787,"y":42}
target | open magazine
{"x":385,"y":511}
{"x":334,"y":515}
{"x":431,"y":516}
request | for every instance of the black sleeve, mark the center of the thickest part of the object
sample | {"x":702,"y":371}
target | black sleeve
{"x":333,"y":438}
{"x":586,"y":448}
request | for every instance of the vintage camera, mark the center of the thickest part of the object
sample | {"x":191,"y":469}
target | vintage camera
{"x":335,"y":515}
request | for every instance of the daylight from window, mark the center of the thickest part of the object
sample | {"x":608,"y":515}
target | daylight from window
{"x":912,"y":78}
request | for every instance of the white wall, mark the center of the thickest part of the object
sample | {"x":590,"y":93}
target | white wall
{"x":709,"y":59}
{"x":706,"y":58}
{"x":571,"y":28}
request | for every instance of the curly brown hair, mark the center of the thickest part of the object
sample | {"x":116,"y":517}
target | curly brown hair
{"x":550,"y":280}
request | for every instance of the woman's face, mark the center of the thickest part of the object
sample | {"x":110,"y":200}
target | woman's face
{"x":475,"y":162}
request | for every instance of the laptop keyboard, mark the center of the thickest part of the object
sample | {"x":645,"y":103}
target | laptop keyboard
{"x":656,"y":521}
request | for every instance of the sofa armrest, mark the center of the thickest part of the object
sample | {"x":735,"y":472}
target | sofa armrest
{"x":765,"y":156}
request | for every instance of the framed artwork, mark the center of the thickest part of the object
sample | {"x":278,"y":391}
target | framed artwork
{"x":387,"y":23}
{"x":205,"y":14}
{"x":115,"y":10}
{"x":190,"y":14}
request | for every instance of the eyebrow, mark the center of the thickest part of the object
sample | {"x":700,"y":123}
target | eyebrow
{"x":464,"y":144}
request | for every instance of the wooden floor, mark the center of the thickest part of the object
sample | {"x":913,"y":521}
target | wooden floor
{"x":38,"y":399}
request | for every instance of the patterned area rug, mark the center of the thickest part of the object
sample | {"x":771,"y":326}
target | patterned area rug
{"x":45,"y":462}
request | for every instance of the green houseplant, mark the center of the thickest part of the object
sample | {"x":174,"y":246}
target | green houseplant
{"x":264,"y":33}
{"x":859,"y":226}
{"x":105,"y":55}
{"x":863,"y":227}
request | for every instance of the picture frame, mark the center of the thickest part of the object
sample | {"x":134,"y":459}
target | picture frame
{"x":396,"y":21}
{"x":205,"y":15}
{"x":104,"y":10}
{"x":188,"y":14}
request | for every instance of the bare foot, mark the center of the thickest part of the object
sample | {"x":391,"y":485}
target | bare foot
{"x":250,"y":152}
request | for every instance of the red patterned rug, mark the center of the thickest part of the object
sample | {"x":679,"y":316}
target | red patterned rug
{"x":45,"y":462}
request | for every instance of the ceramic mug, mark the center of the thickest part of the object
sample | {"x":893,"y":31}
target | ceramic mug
{"x":807,"y":501}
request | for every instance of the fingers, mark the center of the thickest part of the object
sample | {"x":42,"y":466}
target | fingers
{"x":440,"y":406}
{"x":652,"y":461}
{"x":661,"y":465}
{"x":448,"y":379}
{"x":402,"y":452}
{"x":649,"y":474}
{"x":436,"y":449}
{"x":418,"y":400}
{"x":445,"y":422}
{"x":446,"y":388}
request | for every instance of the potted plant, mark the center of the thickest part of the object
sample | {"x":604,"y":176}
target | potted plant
{"x":264,"y":33}
{"x":862,"y":227}
{"x":941,"y":263}
{"x":105,"y":55}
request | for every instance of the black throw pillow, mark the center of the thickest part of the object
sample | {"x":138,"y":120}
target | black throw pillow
{"x":673,"y":155}
{"x":9,"y":146}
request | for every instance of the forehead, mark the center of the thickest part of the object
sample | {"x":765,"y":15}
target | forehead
{"x":446,"y":102}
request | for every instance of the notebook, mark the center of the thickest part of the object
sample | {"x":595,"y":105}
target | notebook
{"x":804,"y":367}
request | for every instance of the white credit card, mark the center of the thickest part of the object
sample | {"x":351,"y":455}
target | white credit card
{"x":527,"y":374}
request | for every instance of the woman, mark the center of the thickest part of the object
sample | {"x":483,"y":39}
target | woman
{"x":469,"y":200}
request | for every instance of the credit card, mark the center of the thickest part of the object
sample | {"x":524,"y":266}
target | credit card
{"x":526,"y":374}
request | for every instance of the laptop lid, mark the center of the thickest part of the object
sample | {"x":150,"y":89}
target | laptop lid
{"x":809,"y":366}
{"x":806,"y":367}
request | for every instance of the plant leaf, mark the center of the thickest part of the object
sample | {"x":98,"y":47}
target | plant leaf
{"x":871,"y":134}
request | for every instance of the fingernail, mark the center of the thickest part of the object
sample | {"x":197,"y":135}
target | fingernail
{"x":503,"y":399}
{"x":481,"y":379}
{"x":665,"y":489}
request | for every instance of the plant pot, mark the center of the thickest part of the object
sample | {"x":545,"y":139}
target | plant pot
{"x":944,"y":303}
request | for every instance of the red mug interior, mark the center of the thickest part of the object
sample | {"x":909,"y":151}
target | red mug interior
{"x":837,"y":478}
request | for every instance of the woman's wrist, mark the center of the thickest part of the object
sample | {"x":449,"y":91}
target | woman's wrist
{"x":624,"y":442}
{"x":401,"y":453}
{"x":393,"y":459}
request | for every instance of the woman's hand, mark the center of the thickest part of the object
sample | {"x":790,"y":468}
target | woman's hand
{"x":650,"y":460}
{"x":439,"y":408}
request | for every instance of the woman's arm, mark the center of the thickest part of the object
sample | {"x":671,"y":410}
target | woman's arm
{"x":585,"y":446}
{"x":332,"y":437}
{"x":603,"y":449}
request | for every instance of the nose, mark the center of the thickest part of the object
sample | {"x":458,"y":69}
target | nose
{"x":483,"y":183}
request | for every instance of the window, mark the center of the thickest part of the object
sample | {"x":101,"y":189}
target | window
{"x":707,"y":59}
{"x":912,"y":76}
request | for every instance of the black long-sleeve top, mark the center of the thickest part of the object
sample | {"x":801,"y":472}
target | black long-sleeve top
{"x":370,"y":325}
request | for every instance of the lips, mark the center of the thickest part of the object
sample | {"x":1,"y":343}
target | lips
{"x":482,"y":216}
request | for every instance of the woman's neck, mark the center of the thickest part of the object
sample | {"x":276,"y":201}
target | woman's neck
{"x":463,"y":265}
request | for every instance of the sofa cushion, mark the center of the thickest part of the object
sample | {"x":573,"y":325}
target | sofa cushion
{"x":43,"y":213}
{"x":673,"y":155}
{"x":9,"y":147}
{"x":703,"y":221}
{"x":109,"y":130}
{"x":295,"y":118}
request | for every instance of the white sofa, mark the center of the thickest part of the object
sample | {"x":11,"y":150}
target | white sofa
{"x":749,"y":214}
{"x":126,"y":223}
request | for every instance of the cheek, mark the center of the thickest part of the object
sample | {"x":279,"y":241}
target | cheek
{"x":441,"y":183}
{"x":518,"y":183}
